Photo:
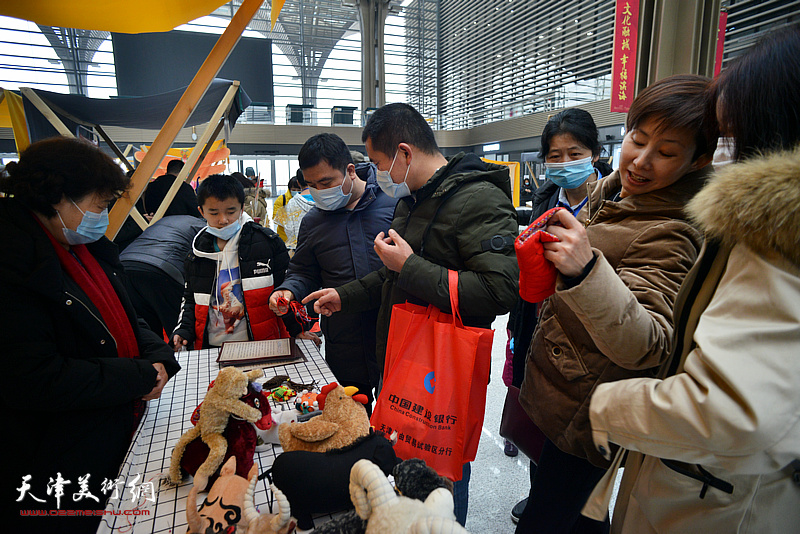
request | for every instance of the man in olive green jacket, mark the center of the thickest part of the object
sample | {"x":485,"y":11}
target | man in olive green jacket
{"x":454,"y":214}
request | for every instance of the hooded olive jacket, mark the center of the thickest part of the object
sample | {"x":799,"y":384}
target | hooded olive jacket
{"x":617,"y":322}
{"x":449,"y":224}
{"x":734,"y":404}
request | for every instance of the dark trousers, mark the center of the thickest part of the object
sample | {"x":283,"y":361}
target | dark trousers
{"x":156,"y":297}
{"x":461,"y":495}
{"x":559,"y":488}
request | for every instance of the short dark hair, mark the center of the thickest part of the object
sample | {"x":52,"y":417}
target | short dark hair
{"x":221,"y":187}
{"x":678,"y":102}
{"x":174,"y":166}
{"x":399,"y":123}
{"x":301,"y":181}
{"x":328,"y":147}
{"x":575,"y":122}
{"x":49,"y":170}
{"x":242,"y":179}
{"x":759,"y":95}
{"x":293,"y":183}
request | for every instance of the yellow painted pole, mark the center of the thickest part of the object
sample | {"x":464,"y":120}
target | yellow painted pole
{"x":204,"y":140}
{"x":45,"y":110}
{"x":183,"y":110}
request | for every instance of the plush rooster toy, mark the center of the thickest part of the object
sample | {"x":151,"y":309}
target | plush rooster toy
{"x":343,"y":420}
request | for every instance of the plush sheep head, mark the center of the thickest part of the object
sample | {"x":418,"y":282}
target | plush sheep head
{"x":385,"y":511}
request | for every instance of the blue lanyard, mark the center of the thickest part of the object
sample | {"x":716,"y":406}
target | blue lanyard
{"x":577,"y":208}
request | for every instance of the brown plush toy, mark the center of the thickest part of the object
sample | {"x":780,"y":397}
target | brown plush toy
{"x":220,"y":402}
{"x":343,"y":420}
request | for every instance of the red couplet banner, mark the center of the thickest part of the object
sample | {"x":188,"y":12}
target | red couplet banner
{"x":723,"y":23}
{"x":623,"y":68}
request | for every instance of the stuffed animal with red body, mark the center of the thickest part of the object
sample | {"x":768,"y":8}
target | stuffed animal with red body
{"x":222,"y":402}
{"x":241,"y":435}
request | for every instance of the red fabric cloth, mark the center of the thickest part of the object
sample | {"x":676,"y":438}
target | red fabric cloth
{"x":434,"y":385}
{"x":537,"y":276}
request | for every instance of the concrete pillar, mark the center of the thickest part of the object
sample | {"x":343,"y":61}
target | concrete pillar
{"x":676,"y":37}
{"x":372,"y":18}
{"x":274,"y":180}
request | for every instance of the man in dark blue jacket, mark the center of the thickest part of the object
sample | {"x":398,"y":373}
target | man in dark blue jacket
{"x":335,"y":246}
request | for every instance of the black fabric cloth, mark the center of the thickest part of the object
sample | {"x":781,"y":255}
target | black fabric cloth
{"x":183,"y":203}
{"x":156,"y":299}
{"x":559,"y":488}
{"x":336,"y":247}
{"x":164,"y":246}
{"x":67,"y":404}
{"x":319,"y":482}
{"x":147,"y":112}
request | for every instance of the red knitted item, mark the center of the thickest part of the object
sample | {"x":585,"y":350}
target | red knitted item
{"x":537,"y":276}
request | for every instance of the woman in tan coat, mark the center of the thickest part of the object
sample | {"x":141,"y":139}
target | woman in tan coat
{"x":611,"y":315}
{"x":722,"y":436}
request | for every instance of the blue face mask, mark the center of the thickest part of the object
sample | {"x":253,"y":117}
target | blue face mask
{"x":226,"y":232}
{"x":387,"y":185}
{"x":570,"y":174}
{"x":333,"y":198}
{"x":93,"y":226}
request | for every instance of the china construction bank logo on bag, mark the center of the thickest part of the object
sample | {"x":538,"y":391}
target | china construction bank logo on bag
{"x":418,"y":412}
{"x":428,"y":382}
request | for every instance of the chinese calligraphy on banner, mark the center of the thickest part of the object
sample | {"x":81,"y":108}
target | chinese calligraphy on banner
{"x":723,"y":23}
{"x":623,"y":67}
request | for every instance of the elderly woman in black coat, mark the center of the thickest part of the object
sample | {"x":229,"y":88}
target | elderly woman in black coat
{"x":78,"y":363}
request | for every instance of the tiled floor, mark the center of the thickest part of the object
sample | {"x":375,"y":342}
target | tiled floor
{"x":498,"y":482}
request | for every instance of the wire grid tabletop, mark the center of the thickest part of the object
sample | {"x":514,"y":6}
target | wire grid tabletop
{"x":142,"y":503}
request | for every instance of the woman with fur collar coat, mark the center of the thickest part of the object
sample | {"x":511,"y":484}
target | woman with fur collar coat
{"x":718,"y":443}
{"x":610,"y":317}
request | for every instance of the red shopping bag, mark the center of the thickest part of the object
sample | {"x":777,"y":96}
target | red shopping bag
{"x":434,"y":385}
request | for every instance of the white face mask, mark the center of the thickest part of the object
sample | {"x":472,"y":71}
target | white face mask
{"x":333,"y":198}
{"x":724,"y":154}
{"x":387,"y":185}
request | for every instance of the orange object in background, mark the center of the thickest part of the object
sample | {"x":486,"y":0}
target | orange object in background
{"x":215,"y":162}
{"x":152,"y":15}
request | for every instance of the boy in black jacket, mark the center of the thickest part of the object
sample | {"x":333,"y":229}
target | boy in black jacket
{"x":230,"y":273}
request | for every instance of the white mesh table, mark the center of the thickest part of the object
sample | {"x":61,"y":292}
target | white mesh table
{"x":141,"y":504}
